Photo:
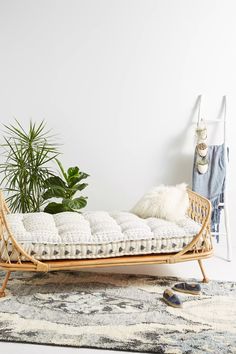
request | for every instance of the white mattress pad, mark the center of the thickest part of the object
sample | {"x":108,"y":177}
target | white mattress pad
{"x":98,"y":234}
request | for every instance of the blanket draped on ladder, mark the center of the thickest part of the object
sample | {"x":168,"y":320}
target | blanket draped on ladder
{"x":212,"y":183}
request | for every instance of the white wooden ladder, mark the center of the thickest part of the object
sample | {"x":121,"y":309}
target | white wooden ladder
{"x":225,"y":205}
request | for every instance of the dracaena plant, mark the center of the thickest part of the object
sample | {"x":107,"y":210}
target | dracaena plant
{"x":65,"y":188}
{"x":26,"y":155}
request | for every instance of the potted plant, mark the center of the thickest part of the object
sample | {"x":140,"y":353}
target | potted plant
{"x":202,"y":149}
{"x":201,"y":130}
{"x":26,"y":154}
{"x":65,"y":188}
{"x":28,"y":179}
{"x":202,"y":165}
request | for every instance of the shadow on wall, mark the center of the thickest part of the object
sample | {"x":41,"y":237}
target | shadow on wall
{"x":180,"y":163}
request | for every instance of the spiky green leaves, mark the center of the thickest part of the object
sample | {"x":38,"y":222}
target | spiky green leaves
{"x":26,"y":153}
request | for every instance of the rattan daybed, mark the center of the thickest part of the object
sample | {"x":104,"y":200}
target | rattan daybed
{"x":199,"y":248}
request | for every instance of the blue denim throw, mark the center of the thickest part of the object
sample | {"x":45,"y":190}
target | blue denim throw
{"x":212,"y":183}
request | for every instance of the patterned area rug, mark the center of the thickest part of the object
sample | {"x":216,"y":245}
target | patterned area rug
{"x":122,"y":312}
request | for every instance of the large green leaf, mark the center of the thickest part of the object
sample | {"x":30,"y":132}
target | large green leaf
{"x":76,"y":203}
{"x":55,"y":181}
{"x":73,"y":171}
{"x":81,"y":186}
{"x":83,"y":175}
{"x":55,"y":208}
{"x":54,"y":192}
{"x":75,"y":179}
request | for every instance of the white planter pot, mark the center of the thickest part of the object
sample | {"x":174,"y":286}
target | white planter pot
{"x":203,"y":152}
{"x":202,"y":134}
{"x":202,"y":168}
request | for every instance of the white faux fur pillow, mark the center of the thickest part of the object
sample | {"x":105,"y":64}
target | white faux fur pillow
{"x":165,"y":202}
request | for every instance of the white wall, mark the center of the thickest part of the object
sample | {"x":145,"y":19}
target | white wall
{"x":118,"y":81}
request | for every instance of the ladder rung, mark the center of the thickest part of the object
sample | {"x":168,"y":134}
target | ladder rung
{"x":218,"y":233}
{"x":211,"y":121}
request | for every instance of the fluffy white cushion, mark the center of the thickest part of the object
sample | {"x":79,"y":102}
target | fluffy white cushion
{"x":166,"y":202}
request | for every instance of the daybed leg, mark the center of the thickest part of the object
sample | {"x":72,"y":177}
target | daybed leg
{"x":4,"y":284}
{"x":205,"y":279}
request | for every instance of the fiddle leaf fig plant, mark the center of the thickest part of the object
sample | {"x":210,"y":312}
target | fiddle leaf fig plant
{"x":65,"y":188}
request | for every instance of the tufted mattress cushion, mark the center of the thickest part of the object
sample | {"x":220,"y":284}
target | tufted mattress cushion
{"x":98,"y":234}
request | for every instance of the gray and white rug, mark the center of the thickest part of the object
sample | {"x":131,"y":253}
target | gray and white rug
{"x":122,"y":312}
